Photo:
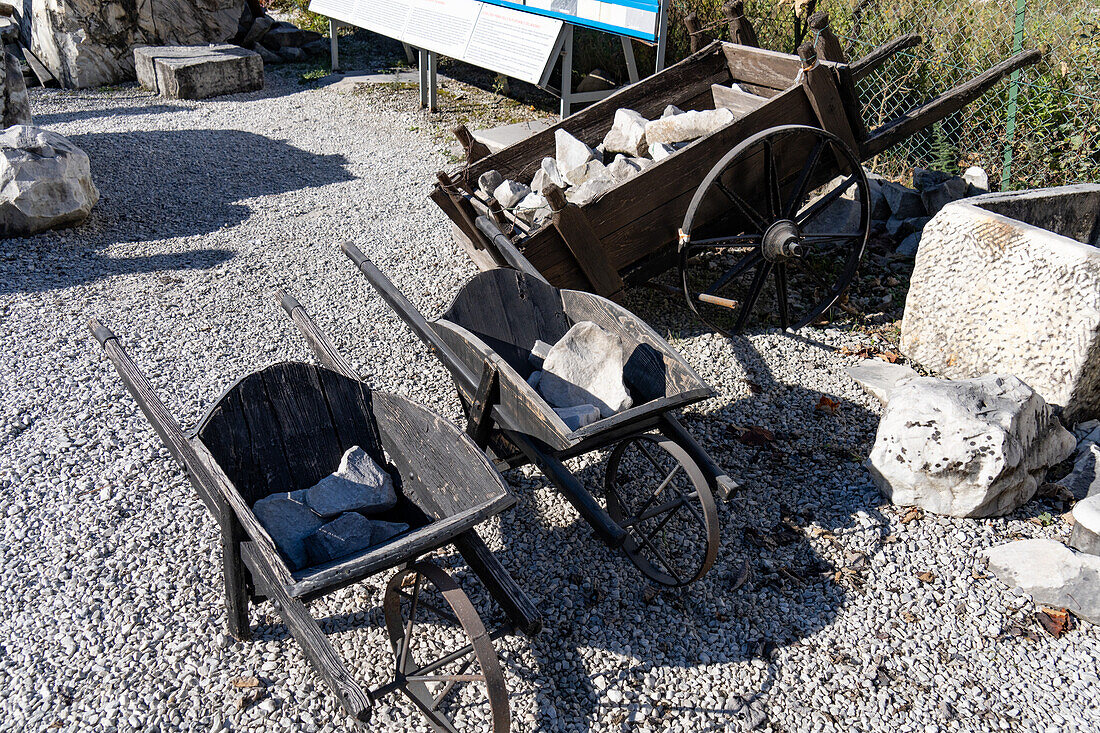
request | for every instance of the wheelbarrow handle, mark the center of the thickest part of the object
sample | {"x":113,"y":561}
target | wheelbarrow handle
{"x":870,"y":63}
{"x":506,"y":248}
{"x":318,"y":341}
{"x":467,"y":381}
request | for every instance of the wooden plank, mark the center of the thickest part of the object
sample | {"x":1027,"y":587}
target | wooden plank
{"x":873,"y":61}
{"x":737,"y":100}
{"x":303,"y":421}
{"x":480,"y":420}
{"x":944,"y":105}
{"x":351,"y":404}
{"x":826,"y":43}
{"x":315,"y":645}
{"x":582,"y":241}
{"x":318,"y":341}
{"x":235,"y":578}
{"x":820,"y":84}
{"x":760,"y":66}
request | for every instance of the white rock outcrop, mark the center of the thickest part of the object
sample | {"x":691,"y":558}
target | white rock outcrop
{"x":586,"y":368}
{"x":89,"y":43}
{"x":966,"y":448}
{"x":1051,"y":574}
{"x":45,"y":182}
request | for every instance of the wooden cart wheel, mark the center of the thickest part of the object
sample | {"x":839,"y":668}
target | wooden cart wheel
{"x":659,"y":495}
{"x":789,"y":204}
{"x":432,"y":677}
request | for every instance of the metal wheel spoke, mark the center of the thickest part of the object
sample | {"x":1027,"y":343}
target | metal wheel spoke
{"x":805,"y":269}
{"x":429,"y":712}
{"x":824,"y":202}
{"x":664,"y":521}
{"x":801,"y":189}
{"x":781,"y":296}
{"x":754,"y":294}
{"x":771,"y":181}
{"x":832,"y":237}
{"x":406,"y":642}
{"x":653,"y":497}
{"x":743,"y":206}
{"x":660,"y":556}
{"x":748,"y":261}
{"x":735,"y":240}
{"x":655,"y":512}
{"x":430,"y":606}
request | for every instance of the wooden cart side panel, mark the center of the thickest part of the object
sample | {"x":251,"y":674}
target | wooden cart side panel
{"x":441,"y":470}
{"x":547,"y":252}
{"x":644,"y":214}
{"x":654,"y":368}
{"x":760,"y":67}
{"x":685,"y":80}
{"x":521,"y":408}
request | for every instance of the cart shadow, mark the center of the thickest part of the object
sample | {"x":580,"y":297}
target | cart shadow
{"x":159,"y":185}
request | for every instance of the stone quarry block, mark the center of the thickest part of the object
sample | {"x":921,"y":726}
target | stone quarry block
{"x":687,"y":126}
{"x":570,"y":152}
{"x":198,"y":72}
{"x":510,"y":193}
{"x":1051,"y":573}
{"x":45,"y":182}
{"x":967,"y":448}
{"x":904,"y":203}
{"x":359,"y":484}
{"x":578,"y":416}
{"x":586,"y":368}
{"x":289,"y":520}
{"x":348,"y":533}
{"x":946,"y":193}
{"x":489,"y":181}
{"x":878,"y":378}
{"x":1086,"y":525}
{"x":627,"y":134}
{"x":1010,"y":283}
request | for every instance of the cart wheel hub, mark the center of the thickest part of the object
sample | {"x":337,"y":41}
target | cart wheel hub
{"x":782,"y":241}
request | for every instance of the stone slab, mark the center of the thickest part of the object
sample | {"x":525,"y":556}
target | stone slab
{"x":198,"y":72}
{"x":499,"y":138}
{"x":878,"y":377}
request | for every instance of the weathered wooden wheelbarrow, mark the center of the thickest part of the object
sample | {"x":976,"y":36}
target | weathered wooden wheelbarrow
{"x":731,"y":210}
{"x":286,"y":427}
{"x":659,"y":483}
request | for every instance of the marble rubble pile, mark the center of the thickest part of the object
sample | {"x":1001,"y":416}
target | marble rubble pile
{"x":277,"y":41}
{"x":632,"y":145}
{"x":332,"y":519}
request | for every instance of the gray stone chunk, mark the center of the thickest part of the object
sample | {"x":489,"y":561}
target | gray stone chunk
{"x":671,"y":110}
{"x":256,"y":31}
{"x":909,"y":245}
{"x":570,"y":152}
{"x":348,"y":533}
{"x":198,"y":72}
{"x":489,"y":181}
{"x":586,"y":367}
{"x":926,"y":180}
{"x":624,"y":168}
{"x":578,"y":416}
{"x":590,"y":190}
{"x":687,"y":126}
{"x":904,"y":203}
{"x":878,"y":378}
{"x":939,"y":196}
{"x":591,"y":171}
{"x":966,"y":448}
{"x":45,"y":182}
{"x":283,"y":35}
{"x":531,"y":208}
{"x":14,"y":102}
{"x":269,"y":57}
{"x":1086,"y":525}
{"x":627,"y":134}
{"x":902,"y":228}
{"x":359,"y":484}
{"x":660,"y":151}
{"x":383,"y":531}
{"x":976,"y":177}
{"x":1084,"y":479}
{"x":534,"y":378}
{"x":548,"y":173}
{"x":291,"y":54}
{"x":289,"y":520}
{"x":510,"y":193}
{"x":1051,"y":573}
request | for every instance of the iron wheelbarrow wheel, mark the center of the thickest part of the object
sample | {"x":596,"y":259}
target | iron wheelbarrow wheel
{"x":809,"y":245}
{"x":661,"y":497}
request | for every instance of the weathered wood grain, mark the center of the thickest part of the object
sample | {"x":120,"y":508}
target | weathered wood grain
{"x":873,"y":61}
{"x":739,"y":102}
{"x":820,"y":83}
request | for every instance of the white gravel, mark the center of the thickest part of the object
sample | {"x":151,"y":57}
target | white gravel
{"x":111,"y":613}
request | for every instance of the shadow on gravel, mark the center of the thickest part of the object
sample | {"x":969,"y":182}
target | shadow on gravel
{"x":60,"y":118}
{"x":158,"y":185}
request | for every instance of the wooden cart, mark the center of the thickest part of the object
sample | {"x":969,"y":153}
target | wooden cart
{"x":659,"y":484}
{"x":732,"y":209}
{"x":286,"y":427}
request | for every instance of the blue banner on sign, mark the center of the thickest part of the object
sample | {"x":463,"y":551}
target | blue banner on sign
{"x":634,"y":18}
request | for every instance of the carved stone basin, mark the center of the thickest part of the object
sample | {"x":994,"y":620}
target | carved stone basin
{"x":1010,"y":284}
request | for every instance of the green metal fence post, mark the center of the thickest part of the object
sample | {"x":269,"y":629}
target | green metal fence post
{"x":1013,"y":92}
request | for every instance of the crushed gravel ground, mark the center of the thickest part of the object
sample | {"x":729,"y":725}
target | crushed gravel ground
{"x":111,"y":614}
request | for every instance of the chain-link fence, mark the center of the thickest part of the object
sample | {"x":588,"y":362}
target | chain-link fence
{"x":1039,"y":128}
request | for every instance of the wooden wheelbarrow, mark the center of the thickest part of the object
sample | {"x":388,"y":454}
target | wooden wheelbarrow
{"x":286,"y":427}
{"x":659,"y":484}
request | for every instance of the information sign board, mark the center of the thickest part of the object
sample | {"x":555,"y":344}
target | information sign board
{"x":633,"y":18}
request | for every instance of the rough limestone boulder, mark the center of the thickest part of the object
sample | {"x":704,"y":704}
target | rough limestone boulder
{"x":1051,"y":574}
{"x":586,"y":368}
{"x":967,"y":448}
{"x":45,"y":182}
{"x":627,"y":134}
{"x":1010,"y":283}
{"x":89,"y":43}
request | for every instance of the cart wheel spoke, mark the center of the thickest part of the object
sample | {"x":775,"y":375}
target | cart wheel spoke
{"x":468,"y":681}
{"x":816,"y":233}
{"x":736,"y":240}
{"x":650,"y":482}
{"x":781,"y":296}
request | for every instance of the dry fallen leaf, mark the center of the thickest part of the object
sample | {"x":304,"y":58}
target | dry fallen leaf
{"x":889,"y":356}
{"x":828,"y":406}
{"x":914,"y":513}
{"x":909,"y":617}
{"x":1055,"y":621}
{"x":742,"y":577}
{"x":926,"y":577}
{"x":756,"y":436}
{"x":245,"y":682}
